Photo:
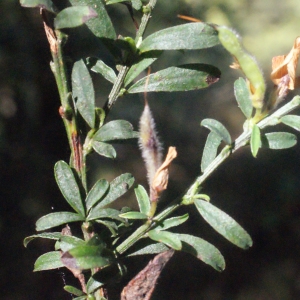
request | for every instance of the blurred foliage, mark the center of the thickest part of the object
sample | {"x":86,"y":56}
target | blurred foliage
{"x":262,"y":194}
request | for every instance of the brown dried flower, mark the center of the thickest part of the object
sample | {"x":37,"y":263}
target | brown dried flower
{"x":161,"y":178}
{"x":284,"y":70}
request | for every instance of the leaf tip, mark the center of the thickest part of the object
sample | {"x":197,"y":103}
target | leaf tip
{"x":210,"y":79}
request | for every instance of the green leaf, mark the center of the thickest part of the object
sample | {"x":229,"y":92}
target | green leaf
{"x":150,"y":249}
{"x":45,"y":235}
{"x":104,"y":149}
{"x":83,"y":91}
{"x":96,"y":240}
{"x":243,"y":97}
{"x":68,"y":186}
{"x":48,"y":261}
{"x":143,"y":199}
{"x":134,"y":215}
{"x":210,"y":149}
{"x":168,"y":238}
{"x":96,"y":193}
{"x":101,"y":26}
{"x":181,"y":78}
{"x":73,"y":16}
{"x":255,"y":140}
{"x":137,"y":4}
{"x":68,"y":242}
{"x":118,"y":187}
{"x":187,"y":36}
{"x":292,"y":121}
{"x":73,"y":290}
{"x":107,"y":72}
{"x":279,"y":140}
{"x":45,"y":4}
{"x":81,"y":298}
{"x":145,"y":61}
{"x":172,"y":222}
{"x":114,"y":1}
{"x":100,"y":213}
{"x":86,"y":257}
{"x":224,"y":224}
{"x":115,"y":130}
{"x":57,"y":219}
{"x":92,"y":285}
{"x":218,"y":128}
{"x":203,"y":250}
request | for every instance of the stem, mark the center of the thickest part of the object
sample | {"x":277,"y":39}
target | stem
{"x":114,"y":94}
{"x":145,"y":19}
{"x":241,"y":141}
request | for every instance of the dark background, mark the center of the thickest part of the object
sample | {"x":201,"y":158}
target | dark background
{"x":262,"y":194}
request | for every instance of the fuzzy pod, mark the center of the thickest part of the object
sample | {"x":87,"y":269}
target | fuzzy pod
{"x":247,"y":64}
{"x":149,"y":143}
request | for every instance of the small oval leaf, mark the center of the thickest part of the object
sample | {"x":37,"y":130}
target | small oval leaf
{"x":107,"y":2}
{"x":104,"y":149}
{"x":181,"y":78}
{"x":255,"y":140}
{"x":73,"y":16}
{"x":210,"y":150}
{"x":45,"y":235}
{"x":101,"y":26}
{"x":218,"y":128}
{"x":96,"y":193}
{"x":73,"y":290}
{"x":137,"y":4}
{"x":145,"y":61}
{"x":48,"y":261}
{"x":56,"y":219}
{"x":134,"y":215}
{"x":101,"y":213}
{"x":187,"y":36}
{"x":68,"y":242}
{"x":203,"y":250}
{"x":172,"y":222}
{"x":107,"y":72}
{"x":83,"y":92}
{"x":150,"y":249}
{"x":292,"y":121}
{"x":68,"y":186}
{"x":119,"y":186}
{"x":243,"y":97}
{"x":224,"y":224}
{"x":168,"y":238}
{"x":115,"y":130}
{"x":279,"y":140}
{"x":93,"y":285}
{"x":86,"y":257}
{"x":143,"y":199}
{"x":44,"y":4}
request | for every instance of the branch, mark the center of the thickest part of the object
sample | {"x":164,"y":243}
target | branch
{"x":189,"y":196}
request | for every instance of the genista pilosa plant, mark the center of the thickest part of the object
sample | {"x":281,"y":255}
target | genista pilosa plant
{"x":109,"y":235}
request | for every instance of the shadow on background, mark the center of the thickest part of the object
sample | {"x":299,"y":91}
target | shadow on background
{"x":261,"y":194}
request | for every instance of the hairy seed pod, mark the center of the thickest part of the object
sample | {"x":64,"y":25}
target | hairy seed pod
{"x":149,"y":143}
{"x":246,"y":63}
